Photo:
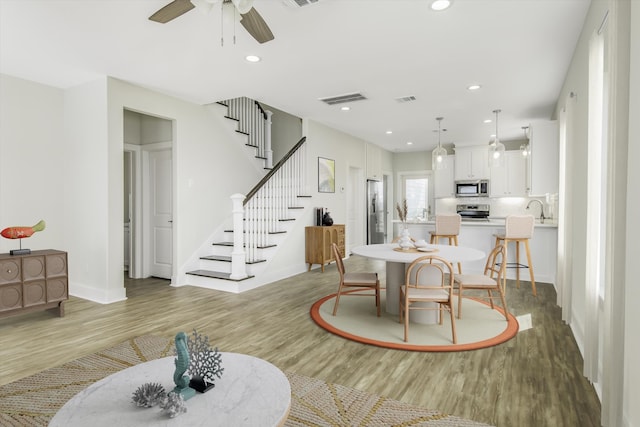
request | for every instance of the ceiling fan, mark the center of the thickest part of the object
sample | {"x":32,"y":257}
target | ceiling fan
{"x":250,"y":18}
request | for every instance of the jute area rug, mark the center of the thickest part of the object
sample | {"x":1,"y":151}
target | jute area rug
{"x":34,"y":400}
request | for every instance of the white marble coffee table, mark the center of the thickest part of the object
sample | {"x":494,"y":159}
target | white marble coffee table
{"x":251,"y":392}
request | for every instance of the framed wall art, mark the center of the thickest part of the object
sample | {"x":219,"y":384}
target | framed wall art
{"x":326,"y":175}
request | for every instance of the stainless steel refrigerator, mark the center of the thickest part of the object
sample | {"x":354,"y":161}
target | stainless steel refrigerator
{"x":376,"y":212}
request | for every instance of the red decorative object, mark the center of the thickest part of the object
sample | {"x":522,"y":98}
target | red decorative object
{"x":22,"y":232}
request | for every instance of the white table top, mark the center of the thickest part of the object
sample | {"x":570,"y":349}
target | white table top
{"x":385,"y":252}
{"x":251,"y":392}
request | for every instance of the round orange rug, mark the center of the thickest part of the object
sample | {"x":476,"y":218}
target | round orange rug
{"x":356,"y":320}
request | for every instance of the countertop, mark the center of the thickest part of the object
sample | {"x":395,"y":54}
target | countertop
{"x":493,"y":222}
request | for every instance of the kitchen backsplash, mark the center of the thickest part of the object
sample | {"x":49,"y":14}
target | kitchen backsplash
{"x":503,"y":206}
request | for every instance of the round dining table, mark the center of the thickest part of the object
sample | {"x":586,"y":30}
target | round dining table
{"x":398,"y":260}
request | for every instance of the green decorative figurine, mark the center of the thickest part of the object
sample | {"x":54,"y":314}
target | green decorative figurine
{"x":182,"y":363}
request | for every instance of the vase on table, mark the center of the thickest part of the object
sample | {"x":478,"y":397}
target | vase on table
{"x":405,"y":239}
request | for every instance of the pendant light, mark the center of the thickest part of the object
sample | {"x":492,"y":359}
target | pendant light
{"x":439,"y":155}
{"x":525,"y":149}
{"x":496,"y":148}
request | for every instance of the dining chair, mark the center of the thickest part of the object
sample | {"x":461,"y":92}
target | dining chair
{"x":354,"y":280}
{"x":491,"y":280}
{"x":429,"y":279}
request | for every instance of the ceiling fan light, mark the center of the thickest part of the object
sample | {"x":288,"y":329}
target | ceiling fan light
{"x":204,"y":5}
{"x":243,"y":6}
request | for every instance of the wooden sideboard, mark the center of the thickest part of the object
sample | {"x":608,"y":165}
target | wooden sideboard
{"x":35,"y":281}
{"x":318,"y":243}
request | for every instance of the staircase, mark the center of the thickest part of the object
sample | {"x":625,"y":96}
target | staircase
{"x":236,"y":256}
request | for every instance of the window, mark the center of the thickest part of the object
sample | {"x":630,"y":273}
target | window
{"x":416,"y":191}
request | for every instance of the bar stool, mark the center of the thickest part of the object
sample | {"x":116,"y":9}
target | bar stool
{"x":518,"y":228}
{"x":448,"y":227}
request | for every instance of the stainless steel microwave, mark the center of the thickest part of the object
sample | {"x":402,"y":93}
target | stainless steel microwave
{"x":478,"y":188}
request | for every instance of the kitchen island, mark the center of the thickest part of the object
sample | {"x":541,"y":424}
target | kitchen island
{"x":481,"y":235}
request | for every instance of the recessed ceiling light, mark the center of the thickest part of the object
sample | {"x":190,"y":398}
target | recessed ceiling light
{"x":389,"y":132}
{"x":474,"y":87}
{"x":439,"y":5}
{"x":409,"y":143}
{"x":252,"y":58}
{"x":488,"y":121}
{"x":345,"y":108}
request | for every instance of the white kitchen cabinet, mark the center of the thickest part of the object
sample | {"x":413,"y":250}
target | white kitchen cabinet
{"x":472,"y":163}
{"x":510,"y":179}
{"x":543,"y":161}
{"x":443,"y":179}
{"x":374,"y":162}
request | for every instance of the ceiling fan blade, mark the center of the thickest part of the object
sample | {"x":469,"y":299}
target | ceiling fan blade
{"x":172,"y":11}
{"x":255,"y":25}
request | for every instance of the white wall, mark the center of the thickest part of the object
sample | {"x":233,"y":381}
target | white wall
{"x":347,"y":151}
{"x":31,"y":137}
{"x":86,"y":179}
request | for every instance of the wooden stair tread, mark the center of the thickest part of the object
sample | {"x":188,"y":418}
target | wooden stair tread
{"x":268,"y":232}
{"x":231,"y":244}
{"x":216,"y":275}
{"x":225,"y":258}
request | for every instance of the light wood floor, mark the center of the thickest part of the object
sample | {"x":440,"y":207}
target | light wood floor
{"x":534,"y":379}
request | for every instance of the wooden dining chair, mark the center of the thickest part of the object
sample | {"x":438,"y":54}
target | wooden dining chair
{"x":348,"y":281}
{"x":429,"y":279}
{"x":491,"y":280}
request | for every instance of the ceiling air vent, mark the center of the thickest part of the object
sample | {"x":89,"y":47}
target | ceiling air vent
{"x":300,"y":3}
{"x":406,"y":98}
{"x":343,"y":98}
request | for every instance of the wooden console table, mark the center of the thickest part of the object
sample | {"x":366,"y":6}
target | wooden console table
{"x":32,"y":282}
{"x":318,"y":243}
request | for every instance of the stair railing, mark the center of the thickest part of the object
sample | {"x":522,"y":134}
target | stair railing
{"x":266,"y":206}
{"x":255,"y":122}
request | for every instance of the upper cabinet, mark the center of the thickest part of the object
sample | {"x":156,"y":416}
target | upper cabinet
{"x":543,"y":162}
{"x":374,"y":162}
{"x":443,"y":184}
{"x":509,"y":180}
{"x":471,"y":163}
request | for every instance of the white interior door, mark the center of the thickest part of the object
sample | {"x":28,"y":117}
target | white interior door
{"x":161,"y":203}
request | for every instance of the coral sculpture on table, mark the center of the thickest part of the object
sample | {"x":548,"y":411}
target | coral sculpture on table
{"x":149,"y":395}
{"x":182,"y":364}
{"x":21,"y":232}
{"x":173,"y":405}
{"x":205,"y":364}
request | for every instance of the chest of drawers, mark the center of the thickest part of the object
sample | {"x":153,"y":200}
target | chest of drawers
{"x":35,"y":281}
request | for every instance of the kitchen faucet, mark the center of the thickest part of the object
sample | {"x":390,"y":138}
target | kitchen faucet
{"x":541,"y":209}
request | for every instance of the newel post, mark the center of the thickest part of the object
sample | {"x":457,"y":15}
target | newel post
{"x":267,"y":139}
{"x":238,"y":266}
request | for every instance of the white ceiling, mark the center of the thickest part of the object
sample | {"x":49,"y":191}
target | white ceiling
{"x":518,"y":50}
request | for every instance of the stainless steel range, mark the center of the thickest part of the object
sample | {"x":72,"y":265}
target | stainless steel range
{"x":473,"y":212}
